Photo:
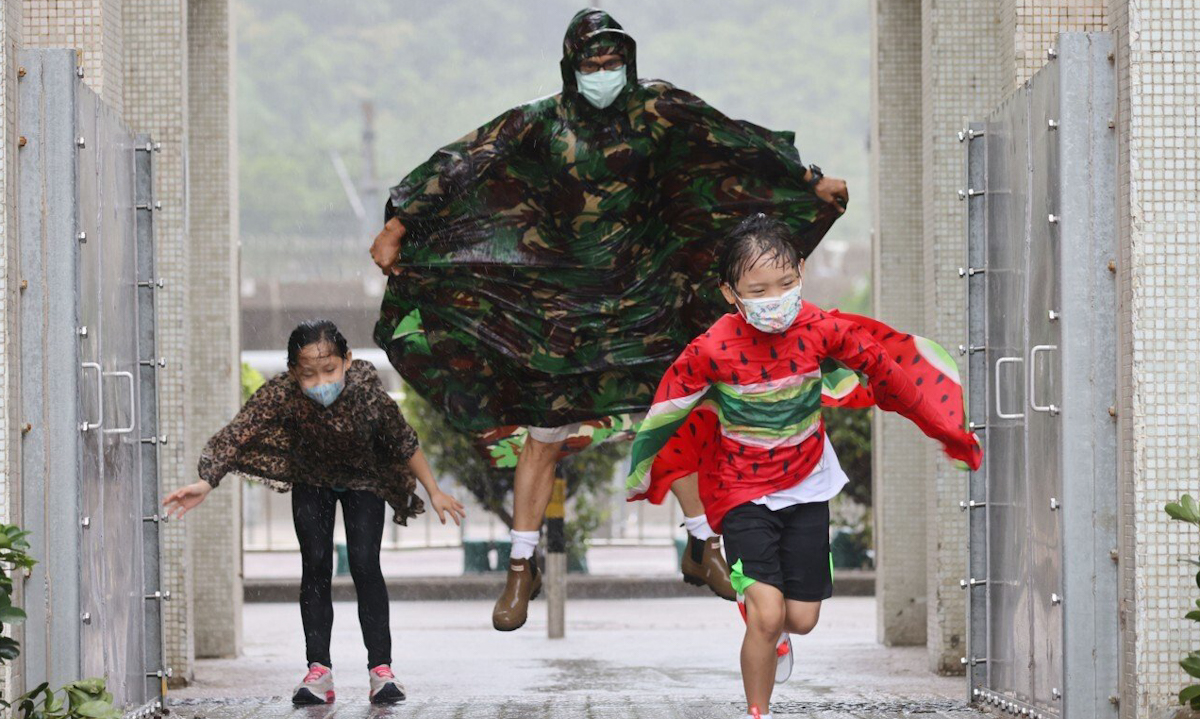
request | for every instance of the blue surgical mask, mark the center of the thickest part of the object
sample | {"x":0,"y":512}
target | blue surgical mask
{"x":602,"y":87}
{"x":772,"y":314}
{"x":325,"y":394}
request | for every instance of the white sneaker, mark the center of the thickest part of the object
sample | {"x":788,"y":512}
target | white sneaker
{"x":317,"y":687}
{"x":783,"y":658}
{"x":384,"y":687}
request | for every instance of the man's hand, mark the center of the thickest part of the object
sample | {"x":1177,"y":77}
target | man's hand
{"x":831,"y":189}
{"x":385,"y":251}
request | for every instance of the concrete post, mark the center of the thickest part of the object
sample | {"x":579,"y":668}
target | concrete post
{"x":213,"y":331}
{"x":900,"y":467}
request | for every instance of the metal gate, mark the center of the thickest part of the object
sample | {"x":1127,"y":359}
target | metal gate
{"x":88,"y":390}
{"x":1041,"y":198}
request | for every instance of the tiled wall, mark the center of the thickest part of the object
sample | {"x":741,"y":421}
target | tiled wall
{"x":1029,"y":27}
{"x":213,"y":323}
{"x":156,"y":102}
{"x":961,"y":79}
{"x":10,"y":33}
{"x":1160,"y":114}
{"x":93,"y":27}
{"x":901,"y":465}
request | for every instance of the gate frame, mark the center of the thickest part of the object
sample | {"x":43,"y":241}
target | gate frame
{"x":1090,"y":642}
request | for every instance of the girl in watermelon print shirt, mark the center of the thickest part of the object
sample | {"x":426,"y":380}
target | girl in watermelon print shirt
{"x":742,"y":408}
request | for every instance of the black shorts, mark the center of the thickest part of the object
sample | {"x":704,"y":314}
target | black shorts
{"x":788,"y":549}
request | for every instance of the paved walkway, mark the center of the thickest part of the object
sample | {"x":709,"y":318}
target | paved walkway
{"x":668,"y":658}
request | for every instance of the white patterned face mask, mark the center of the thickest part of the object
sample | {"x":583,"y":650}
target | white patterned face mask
{"x":772,"y":314}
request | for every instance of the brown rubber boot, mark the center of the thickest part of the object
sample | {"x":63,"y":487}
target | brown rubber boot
{"x":523,"y":586}
{"x":704,"y":565}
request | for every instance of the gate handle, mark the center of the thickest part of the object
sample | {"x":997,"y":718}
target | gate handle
{"x":1000,"y":412}
{"x":132,"y":404}
{"x":1033,"y":353}
{"x":86,"y":425}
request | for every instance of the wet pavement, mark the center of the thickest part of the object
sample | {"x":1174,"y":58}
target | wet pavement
{"x":668,"y":658}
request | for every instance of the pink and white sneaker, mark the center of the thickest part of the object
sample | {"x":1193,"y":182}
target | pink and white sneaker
{"x":317,"y":687}
{"x":384,"y":687}
{"x":784,"y":660}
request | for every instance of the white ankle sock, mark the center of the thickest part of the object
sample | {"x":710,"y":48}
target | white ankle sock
{"x":523,"y":544}
{"x":698,"y":527}
{"x":764,"y":716}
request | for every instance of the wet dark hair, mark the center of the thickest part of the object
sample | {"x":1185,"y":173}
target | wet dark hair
{"x":312,"y":332}
{"x":755,"y":238}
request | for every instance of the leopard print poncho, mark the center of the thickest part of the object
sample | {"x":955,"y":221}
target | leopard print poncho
{"x":281,"y":437}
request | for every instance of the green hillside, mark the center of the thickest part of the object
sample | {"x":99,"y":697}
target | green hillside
{"x":436,"y":70}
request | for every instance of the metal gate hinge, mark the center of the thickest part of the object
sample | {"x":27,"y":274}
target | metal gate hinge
{"x":964,"y":349}
{"x":156,"y":518}
{"x":160,"y":362}
{"x":160,"y":439}
{"x":156,"y":206}
{"x":159,"y":283}
{"x":970,"y":192}
{"x":972,"y":582}
{"x":976,"y":427}
{"x":971,"y":271}
{"x":82,"y":236}
{"x":86,"y":618}
{"x":1055,"y":504}
{"x":161,"y":673}
{"x":964,"y":506}
{"x":1056,"y":599}
{"x":973,"y":661}
{"x":1051,"y":124}
{"x":85,"y":522}
{"x":969,"y":134}
{"x":82,"y":331}
{"x":162,"y":596}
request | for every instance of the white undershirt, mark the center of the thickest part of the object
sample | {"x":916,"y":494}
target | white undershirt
{"x":822,"y":484}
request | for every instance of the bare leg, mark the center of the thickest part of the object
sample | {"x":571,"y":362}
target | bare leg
{"x":765,"y":614}
{"x":687,"y":491}
{"x":802,"y":616}
{"x":533,"y":483}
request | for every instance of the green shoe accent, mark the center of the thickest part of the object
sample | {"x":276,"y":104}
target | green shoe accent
{"x":831,"y":566}
{"x":738,"y":579}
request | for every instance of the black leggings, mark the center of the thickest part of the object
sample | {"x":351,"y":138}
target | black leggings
{"x":313,"y":510}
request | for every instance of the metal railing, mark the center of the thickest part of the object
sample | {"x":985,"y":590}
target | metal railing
{"x":267,"y":523}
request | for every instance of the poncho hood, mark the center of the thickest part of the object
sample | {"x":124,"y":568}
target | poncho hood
{"x":594,"y":32}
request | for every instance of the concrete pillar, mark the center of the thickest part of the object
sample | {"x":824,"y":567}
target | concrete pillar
{"x":156,"y":102}
{"x":214,"y":336}
{"x":94,"y":28}
{"x":1159,"y":339}
{"x":960,"y":80}
{"x":901,"y":467}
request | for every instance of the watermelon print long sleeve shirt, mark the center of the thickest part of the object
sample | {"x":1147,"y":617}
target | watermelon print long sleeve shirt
{"x":742,"y":408}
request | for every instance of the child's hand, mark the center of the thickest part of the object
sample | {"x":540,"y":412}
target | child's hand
{"x":444,"y":503}
{"x":185,"y":499}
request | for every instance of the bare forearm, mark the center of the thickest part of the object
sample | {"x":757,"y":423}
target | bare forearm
{"x":420,"y":467}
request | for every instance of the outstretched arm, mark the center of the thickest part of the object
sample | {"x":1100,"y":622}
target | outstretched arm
{"x":895,"y":391}
{"x":443,"y":177}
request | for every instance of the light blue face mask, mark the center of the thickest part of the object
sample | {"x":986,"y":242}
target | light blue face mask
{"x":602,"y":87}
{"x":325,"y":394}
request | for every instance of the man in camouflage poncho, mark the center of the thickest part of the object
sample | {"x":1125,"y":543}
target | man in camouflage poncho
{"x":557,"y":259}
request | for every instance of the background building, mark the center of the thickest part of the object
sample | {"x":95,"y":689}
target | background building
{"x":935,"y":66}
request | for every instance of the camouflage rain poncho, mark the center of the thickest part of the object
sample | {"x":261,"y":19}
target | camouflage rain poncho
{"x":560,"y":257}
